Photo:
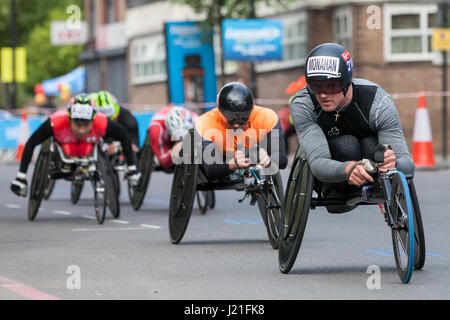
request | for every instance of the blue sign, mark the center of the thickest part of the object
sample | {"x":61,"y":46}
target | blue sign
{"x":252,"y":39}
{"x":190,"y":63}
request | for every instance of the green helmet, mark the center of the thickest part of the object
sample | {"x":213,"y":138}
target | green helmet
{"x":106,"y":104}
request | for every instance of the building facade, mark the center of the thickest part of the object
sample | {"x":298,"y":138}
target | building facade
{"x":390,"y":43}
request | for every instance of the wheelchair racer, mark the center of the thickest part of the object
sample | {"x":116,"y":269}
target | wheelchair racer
{"x":340,"y":120}
{"x":167,"y":128}
{"x":76,"y":129}
{"x":238,"y":121}
{"x":107,"y":103}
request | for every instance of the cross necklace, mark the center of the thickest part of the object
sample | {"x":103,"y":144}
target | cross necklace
{"x":337,"y":115}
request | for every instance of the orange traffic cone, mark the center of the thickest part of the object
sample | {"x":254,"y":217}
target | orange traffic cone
{"x":24,"y":133}
{"x":422,"y":150}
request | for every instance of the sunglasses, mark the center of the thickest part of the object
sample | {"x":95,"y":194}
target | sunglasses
{"x":236,"y":118}
{"x":326,"y":86}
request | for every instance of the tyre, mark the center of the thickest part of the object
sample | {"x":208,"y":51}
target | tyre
{"x":99,"y":200}
{"x":402,"y":213}
{"x":203,"y":197}
{"x":270,"y":207}
{"x":145,"y":167}
{"x":106,"y":172}
{"x":75,"y":191}
{"x":419,"y":234}
{"x":295,"y":211}
{"x":182,"y":197}
{"x":39,"y":181}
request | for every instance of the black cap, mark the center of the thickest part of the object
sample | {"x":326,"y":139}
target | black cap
{"x":235,"y":97}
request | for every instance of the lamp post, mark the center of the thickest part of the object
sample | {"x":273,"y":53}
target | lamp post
{"x":13,"y":46}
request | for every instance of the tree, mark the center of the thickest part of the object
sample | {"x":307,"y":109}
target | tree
{"x":46,"y":61}
{"x":31,"y":15}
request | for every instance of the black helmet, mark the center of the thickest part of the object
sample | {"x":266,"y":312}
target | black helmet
{"x":235,"y":101}
{"x":81,"y":108}
{"x":329,"y":61}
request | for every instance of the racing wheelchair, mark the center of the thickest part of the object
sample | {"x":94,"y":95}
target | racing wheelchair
{"x":396,"y":198}
{"x":190,"y":177}
{"x":146,"y":165}
{"x":52,"y":164}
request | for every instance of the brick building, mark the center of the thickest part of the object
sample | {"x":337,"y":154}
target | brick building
{"x":390,"y":42}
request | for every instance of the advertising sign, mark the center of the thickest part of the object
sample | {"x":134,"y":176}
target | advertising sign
{"x":190,"y":63}
{"x":252,"y":39}
{"x":61,"y":34}
{"x":7,"y":65}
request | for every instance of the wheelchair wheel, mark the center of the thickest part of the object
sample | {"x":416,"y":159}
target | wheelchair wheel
{"x":39,"y":181}
{"x":184,"y":187}
{"x":116,"y":179}
{"x":403,"y":232}
{"x":205,"y":199}
{"x":419,"y":235}
{"x":145,"y":167}
{"x":106,"y":171}
{"x":75,"y":191}
{"x":270,"y":204}
{"x":296,"y":206}
{"x":99,"y":200}
{"x":49,"y":188}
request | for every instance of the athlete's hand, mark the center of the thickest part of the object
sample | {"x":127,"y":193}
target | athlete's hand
{"x":19,"y":185}
{"x":356,"y":174}
{"x":241,"y":161}
{"x":390,"y":161}
{"x":264,"y":158}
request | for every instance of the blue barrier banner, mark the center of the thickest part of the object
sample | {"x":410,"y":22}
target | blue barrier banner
{"x":252,"y":39}
{"x":9,"y":129}
{"x":190,"y":63}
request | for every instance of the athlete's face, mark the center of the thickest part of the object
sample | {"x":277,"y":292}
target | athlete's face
{"x":328,"y":93}
{"x":80,"y":128}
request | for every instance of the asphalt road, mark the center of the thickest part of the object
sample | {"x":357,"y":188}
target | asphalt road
{"x":225,"y":255}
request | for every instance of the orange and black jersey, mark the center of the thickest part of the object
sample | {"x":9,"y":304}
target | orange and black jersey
{"x":262,"y":128}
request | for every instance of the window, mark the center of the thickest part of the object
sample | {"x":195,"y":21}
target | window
{"x":295,"y":35}
{"x":408,"y":32}
{"x":342,"y":27}
{"x":148,"y":60}
{"x":110,"y":11}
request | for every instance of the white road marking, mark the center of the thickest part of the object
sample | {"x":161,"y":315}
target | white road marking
{"x":110,"y":229}
{"x":120,"y":221}
{"x":13,"y":206}
{"x":150,"y":226}
{"x":89,"y":217}
{"x":62,"y":212}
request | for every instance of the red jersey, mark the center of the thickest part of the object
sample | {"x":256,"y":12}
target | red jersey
{"x":70,"y":144}
{"x":160,"y":139}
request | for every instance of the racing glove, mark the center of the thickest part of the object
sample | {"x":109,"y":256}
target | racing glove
{"x":133,"y":176}
{"x":19,"y":185}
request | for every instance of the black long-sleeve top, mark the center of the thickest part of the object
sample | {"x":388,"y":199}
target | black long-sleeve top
{"x":45,"y":131}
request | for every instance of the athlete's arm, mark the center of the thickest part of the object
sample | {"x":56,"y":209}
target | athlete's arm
{"x":385,"y":120}
{"x":313,"y":141}
{"x":160,"y":148}
{"x":119,"y":133}
{"x":44,"y":132}
{"x":127,"y":119}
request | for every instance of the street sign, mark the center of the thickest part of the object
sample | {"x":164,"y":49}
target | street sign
{"x":252,"y":39}
{"x":7,"y":65}
{"x":62,"y":34}
{"x":441,"y":39}
{"x":190,"y":63}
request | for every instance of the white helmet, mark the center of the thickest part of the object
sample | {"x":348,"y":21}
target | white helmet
{"x":178,"y":122}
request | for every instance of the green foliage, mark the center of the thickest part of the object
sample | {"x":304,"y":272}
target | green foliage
{"x":46,"y":61}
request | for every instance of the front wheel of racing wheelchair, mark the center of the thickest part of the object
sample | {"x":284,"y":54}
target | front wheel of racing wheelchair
{"x":190,"y":178}
{"x":399,"y":206}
